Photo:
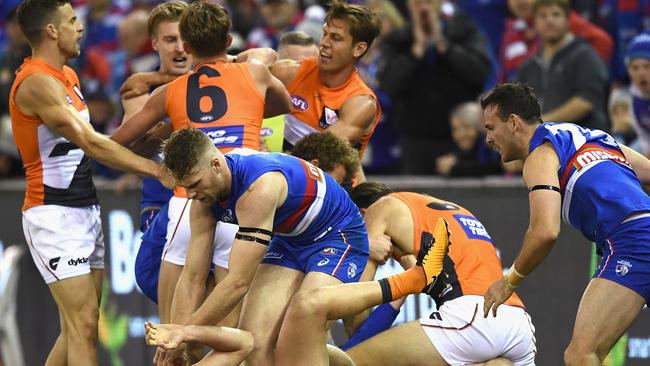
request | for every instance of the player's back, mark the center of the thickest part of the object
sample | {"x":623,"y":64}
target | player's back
{"x":57,"y":171}
{"x":472,"y":264}
{"x":599,"y":187}
{"x":316,"y":107}
{"x":315,"y":205}
{"x":221,"y":99}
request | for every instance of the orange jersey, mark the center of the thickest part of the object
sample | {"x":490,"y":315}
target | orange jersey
{"x":316,"y":107}
{"x":222,"y":100}
{"x":57,"y":171}
{"x":472,"y":264}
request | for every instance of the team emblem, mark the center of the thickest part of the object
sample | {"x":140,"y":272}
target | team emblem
{"x":329,"y":118}
{"x":622,"y":267}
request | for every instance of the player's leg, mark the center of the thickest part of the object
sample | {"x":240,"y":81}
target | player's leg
{"x":77,"y":301}
{"x":406,"y":345}
{"x":224,"y":236}
{"x":606,"y":311}
{"x":264,"y":308}
{"x":59,"y":354}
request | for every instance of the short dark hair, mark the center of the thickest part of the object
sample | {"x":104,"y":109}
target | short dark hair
{"x":513,"y":98}
{"x":562,"y":4}
{"x":183,"y":150}
{"x":367,"y":193}
{"x":204,"y":26}
{"x":33,"y":15}
{"x":330,"y":150}
{"x":363,"y":22}
{"x":296,"y":38}
{"x":165,"y":12}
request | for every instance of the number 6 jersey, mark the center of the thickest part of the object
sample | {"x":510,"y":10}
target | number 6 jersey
{"x":57,"y":171}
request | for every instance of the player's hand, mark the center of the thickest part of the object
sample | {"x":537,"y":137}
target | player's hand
{"x":136,"y":85}
{"x":496,"y":295}
{"x":381,"y":248}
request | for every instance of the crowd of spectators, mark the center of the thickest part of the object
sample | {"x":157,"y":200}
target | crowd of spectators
{"x":429,"y":65}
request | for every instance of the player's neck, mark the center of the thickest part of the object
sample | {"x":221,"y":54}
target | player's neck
{"x":49,"y":55}
{"x":198,"y":61}
{"x":333,"y":79}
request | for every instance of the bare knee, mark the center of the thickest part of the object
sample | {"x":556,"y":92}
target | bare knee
{"x":305,"y":305}
{"x":580,"y":355}
{"x":83,"y":324}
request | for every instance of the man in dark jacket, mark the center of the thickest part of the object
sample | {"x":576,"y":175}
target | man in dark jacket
{"x":438,"y":62}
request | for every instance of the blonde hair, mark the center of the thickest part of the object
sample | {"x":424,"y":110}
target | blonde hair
{"x":165,"y":12}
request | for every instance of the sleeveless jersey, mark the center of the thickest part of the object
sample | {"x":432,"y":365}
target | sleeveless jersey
{"x":315,"y":205}
{"x":599,"y":188}
{"x":471,"y":265}
{"x":316,"y":107}
{"x":222,"y":100}
{"x":56,"y":170}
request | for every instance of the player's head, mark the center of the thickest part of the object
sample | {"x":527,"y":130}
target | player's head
{"x":329,"y":152}
{"x":204,"y":28}
{"x":508,"y":110}
{"x":637,"y":59}
{"x":465,"y":123}
{"x":53,"y":22}
{"x":551,"y":19}
{"x":348,"y":33}
{"x":297,"y":45}
{"x":367,"y":193}
{"x":166,"y":38}
{"x":196,"y":164}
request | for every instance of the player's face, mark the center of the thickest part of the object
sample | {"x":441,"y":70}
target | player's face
{"x":201,"y":184}
{"x":337,"y":49}
{"x":497,"y":134}
{"x":69,"y":31}
{"x":297,"y":52}
{"x":639,"y":70}
{"x":168,"y":43}
{"x":551,"y":23}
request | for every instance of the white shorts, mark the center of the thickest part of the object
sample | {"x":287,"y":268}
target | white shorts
{"x":178,"y":235}
{"x":64,"y":241}
{"x":462,"y":336}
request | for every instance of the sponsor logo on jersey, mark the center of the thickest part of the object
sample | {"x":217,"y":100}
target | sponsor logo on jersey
{"x":330,"y":251}
{"x":75,"y":262}
{"x":273,"y":255}
{"x":472,"y":227}
{"x":323,"y":262}
{"x":225,"y":136}
{"x":54,"y":262}
{"x":299,"y":103}
{"x":266,"y":131}
{"x":588,"y":156}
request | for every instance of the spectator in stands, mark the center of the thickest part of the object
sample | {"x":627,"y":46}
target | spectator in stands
{"x":637,"y":59}
{"x":567,"y":75}
{"x":135,"y":42}
{"x":104,"y":120}
{"x":520,"y":41}
{"x":471,"y":156}
{"x":440,"y":60}
{"x":620,"y":115}
{"x":279,"y":16}
{"x":17,"y":50}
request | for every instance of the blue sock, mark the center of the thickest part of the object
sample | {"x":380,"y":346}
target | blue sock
{"x":378,"y":321}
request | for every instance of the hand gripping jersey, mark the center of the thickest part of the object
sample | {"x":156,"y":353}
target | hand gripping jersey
{"x":599,"y":188}
{"x":315,"y":205}
{"x":471,"y":265}
{"x":222,"y":100}
{"x":57,"y":171}
{"x":316,"y":107}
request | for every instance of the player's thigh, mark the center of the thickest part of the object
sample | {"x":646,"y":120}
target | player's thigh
{"x":606,"y":311}
{"x":267,"y":300}
{"x":406,"y":345}
{"x":178,"y":231}
{"x":232,"y":319}
{"x":76,"y":298}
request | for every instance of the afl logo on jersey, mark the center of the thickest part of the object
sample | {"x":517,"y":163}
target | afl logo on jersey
{"x":299,"y":103}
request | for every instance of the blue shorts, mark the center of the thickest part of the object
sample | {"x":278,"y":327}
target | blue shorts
{"x":342,"y":254}
{"x":146,"y":218}
{"x":147,"y":262}
{"x":626,"y":256}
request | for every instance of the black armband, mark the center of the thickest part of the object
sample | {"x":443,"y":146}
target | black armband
{"x":544,"y":186}
{"x":255,"y":239}
{"x":255,"y":230}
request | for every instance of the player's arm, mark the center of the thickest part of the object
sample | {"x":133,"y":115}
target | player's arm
{"x":540,"y":171}
{"x":140,"y":83}
{"x":190,"y":289}
{"x":277,"y":99}
{"x":640,"y":164}
{"x":148,"y":144}
{"x":356,"y":117}
{"x":255,"y":210}
{"x":138,"y":123}
{"x":44,"y":96}
{"x":285,"y":70}
{"x":266,"y":56}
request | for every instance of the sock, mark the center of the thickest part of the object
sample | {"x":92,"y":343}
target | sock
{"x":411,"y":281}
{"x":379,"y":320}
